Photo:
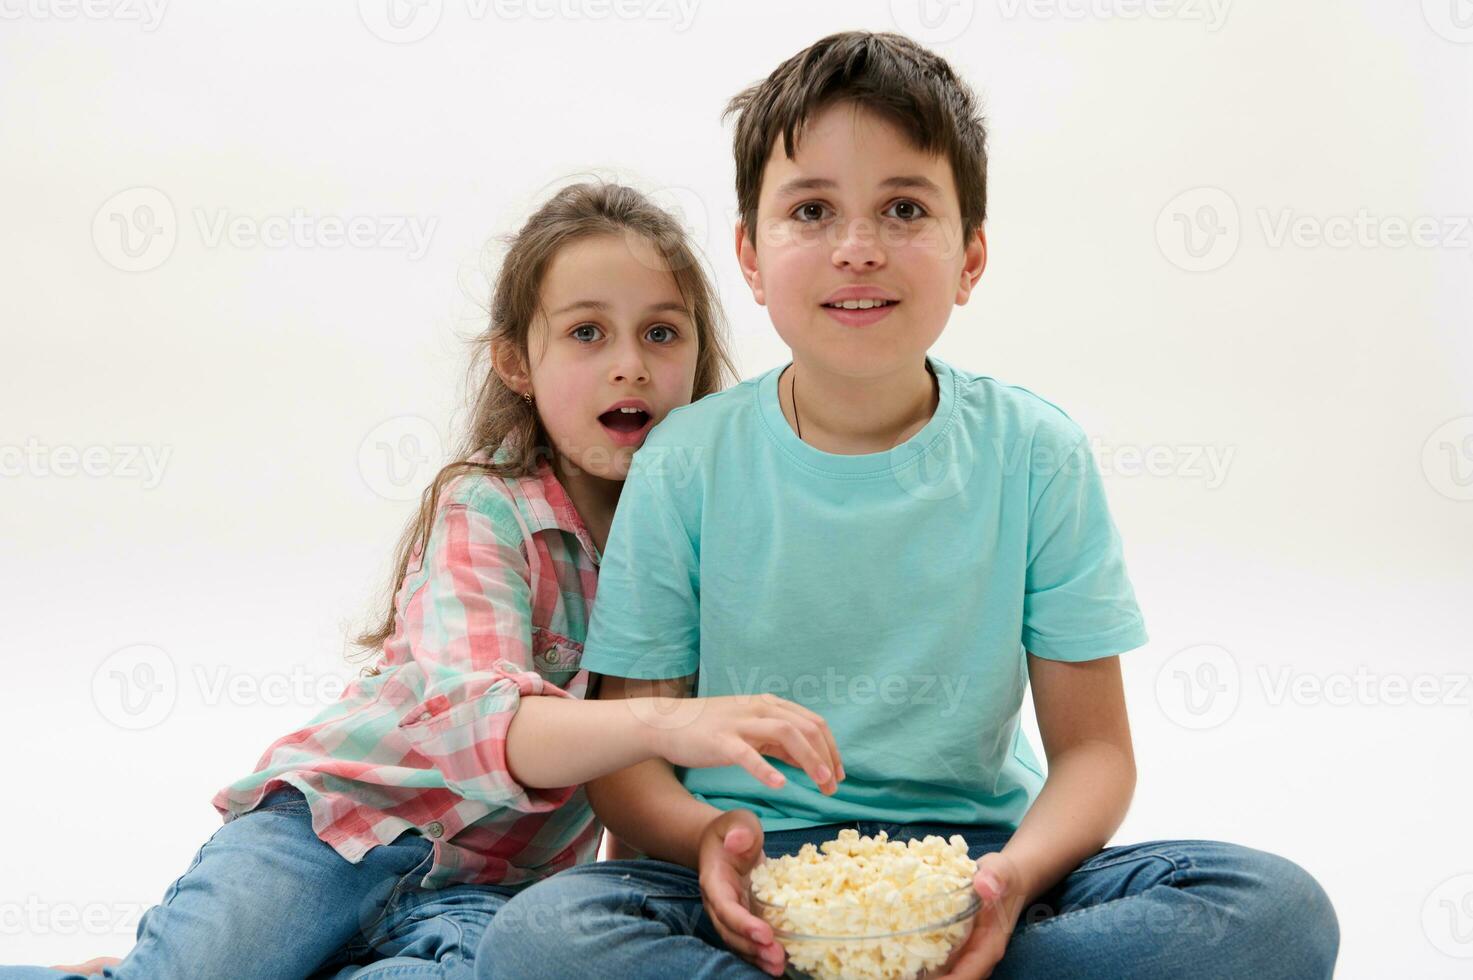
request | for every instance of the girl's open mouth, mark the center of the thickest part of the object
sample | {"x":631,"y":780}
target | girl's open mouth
{"x":626,"y":427}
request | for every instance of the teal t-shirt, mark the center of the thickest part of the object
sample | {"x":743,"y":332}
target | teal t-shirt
{"x":894,"y":593}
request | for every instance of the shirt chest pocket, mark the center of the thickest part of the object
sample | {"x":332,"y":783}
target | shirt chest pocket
{"x":555,"y":656}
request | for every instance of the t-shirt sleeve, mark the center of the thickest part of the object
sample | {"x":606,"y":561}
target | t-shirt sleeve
{"x":646,"y":613}
{"x":1078,"y":603}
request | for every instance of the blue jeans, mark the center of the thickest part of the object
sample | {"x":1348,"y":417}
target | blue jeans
{"x":266,"y":899}
{"x":1162,"y":909}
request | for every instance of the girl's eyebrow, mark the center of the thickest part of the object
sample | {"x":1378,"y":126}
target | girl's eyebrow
{"x":599,"y":306}
{"x":904,"y":182}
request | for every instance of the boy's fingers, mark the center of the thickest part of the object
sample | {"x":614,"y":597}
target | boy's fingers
{"x":738,"y":840}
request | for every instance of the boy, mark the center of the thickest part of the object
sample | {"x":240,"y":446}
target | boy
{"x":902,"y":547}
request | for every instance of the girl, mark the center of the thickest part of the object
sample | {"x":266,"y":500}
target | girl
{"x":381,"y":838}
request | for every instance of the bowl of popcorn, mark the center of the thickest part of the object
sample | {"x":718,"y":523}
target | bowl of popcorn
{"x":868,"y":908}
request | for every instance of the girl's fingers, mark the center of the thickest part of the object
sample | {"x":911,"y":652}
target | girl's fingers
{"x":799,"y":750}
{"x":835,"y":763}
{"x":751,"y":760}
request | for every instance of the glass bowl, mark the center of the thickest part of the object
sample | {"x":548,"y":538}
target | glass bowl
{"x":845,"y":941}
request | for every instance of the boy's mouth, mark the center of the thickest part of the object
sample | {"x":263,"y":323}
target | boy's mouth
{"x":860,"y":304}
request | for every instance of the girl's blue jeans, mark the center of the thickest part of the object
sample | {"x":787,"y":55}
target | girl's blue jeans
{"x":1164,"y":909}
{"x":266,"y":899}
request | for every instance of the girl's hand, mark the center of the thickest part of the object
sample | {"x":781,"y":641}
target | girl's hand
{"x":997,"y":882}
{"x":731,"y":846}
{"x":738,"y":731}
{"x":90,"y":967}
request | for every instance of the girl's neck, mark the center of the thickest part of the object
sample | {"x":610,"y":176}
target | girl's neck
{"x":851,"y":417}
{"x":593,"y":497}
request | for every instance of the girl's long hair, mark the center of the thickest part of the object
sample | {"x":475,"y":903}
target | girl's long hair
{"x":501,"y":418}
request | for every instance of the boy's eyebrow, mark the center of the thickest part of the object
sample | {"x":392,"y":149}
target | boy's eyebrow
{"x":599,"y":306}
{"x":906,"y":182}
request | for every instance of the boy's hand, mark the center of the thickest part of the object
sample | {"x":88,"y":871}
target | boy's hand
{"x":998,"y":885}
{"x":739,"y":730}
{"x":731,"y":846}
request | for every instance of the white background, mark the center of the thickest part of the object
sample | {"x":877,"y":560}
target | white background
{"x":297,"y":394}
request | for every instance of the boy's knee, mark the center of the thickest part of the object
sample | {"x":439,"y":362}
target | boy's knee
{"x":1295,"y":914}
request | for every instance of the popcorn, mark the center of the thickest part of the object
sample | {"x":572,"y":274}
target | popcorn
{"x":869,"y":908}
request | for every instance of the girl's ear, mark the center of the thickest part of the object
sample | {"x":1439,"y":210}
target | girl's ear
{"x":973,"y":262}
{"x":747,"y":259}
{"x":507,"y":361}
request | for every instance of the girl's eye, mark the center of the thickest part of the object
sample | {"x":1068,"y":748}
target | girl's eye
{"x":809,"y":211}
{"x":580,"y":328}
{"x":668,"y":332}
{"x":906,"y":210}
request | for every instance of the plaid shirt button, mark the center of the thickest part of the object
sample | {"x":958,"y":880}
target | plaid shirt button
{"x":435,"y":829}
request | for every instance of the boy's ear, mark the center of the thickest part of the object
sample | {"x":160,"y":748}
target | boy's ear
{"x":973,"y":262}
{"x":747,"y":258}
{"x":507,"y":361}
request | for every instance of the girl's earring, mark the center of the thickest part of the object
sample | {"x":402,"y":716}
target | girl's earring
{"x":527,"y":397}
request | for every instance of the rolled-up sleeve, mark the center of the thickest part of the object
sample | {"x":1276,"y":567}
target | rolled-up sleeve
{"x":469,"y":628}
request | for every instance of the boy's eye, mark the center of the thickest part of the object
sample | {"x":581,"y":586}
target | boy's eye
{"x":906,"y":210}
{"x":668,"y":333}
{"x":580,"y":328}
{"x":809,"y":211}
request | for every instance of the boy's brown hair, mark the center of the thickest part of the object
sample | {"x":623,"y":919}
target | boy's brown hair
{"x":888,"y":74}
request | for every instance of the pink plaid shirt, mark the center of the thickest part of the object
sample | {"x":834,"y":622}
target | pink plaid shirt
{"x":497,"y":610}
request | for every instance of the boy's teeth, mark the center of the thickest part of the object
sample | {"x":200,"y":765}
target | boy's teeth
{"x":859,"y":304}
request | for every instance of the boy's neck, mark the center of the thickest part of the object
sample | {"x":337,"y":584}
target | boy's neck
{"x":851,"y":417}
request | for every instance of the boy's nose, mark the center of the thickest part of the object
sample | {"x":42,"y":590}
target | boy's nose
{"x":858,"y":246}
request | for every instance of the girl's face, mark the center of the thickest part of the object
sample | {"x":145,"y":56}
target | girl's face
{"x":613,"y":333}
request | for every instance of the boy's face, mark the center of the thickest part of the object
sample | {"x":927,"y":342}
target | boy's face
{"x":859,"y":213}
